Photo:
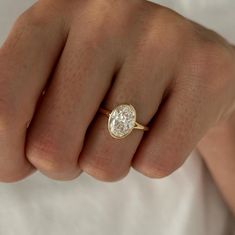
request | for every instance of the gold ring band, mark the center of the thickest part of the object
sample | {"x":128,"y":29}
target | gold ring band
{"x":122,"y":120}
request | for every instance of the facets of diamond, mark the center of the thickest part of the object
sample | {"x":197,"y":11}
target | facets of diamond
{"x":122,"y":120}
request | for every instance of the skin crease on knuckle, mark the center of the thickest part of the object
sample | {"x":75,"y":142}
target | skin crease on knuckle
{"x":104,"y":171}
{"x":161,"y":168}
{"x":47,"y":154}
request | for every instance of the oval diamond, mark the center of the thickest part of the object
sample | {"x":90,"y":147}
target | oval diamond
{"x":122,"y":121}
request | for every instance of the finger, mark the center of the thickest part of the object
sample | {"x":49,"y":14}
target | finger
{"x":26,"y":59}
{"x":137,"y":83}
{"x":80,"y":82}
{"x":174,"y":133}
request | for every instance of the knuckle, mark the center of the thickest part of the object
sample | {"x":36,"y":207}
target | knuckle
{"x":164,"y":26}
{"x":38,"y":16}
{"x":178,"y":26}
{"x":31,"y":18}
{"x":210,"y":66}
{"x":208,"y":50}
{"x":158,"y":169}
{"x":173,"y":26}
{"x":102,"y":169}
{"x":44,"y":155}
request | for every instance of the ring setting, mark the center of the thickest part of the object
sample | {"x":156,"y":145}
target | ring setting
{"x":122,"y":121}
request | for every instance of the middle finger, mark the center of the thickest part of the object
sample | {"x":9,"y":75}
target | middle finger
{"x":82,"y":77}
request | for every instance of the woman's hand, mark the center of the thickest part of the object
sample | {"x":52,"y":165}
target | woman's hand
{"x":179,"y":76}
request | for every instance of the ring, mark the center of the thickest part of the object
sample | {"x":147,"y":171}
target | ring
{"x":122,"y":121}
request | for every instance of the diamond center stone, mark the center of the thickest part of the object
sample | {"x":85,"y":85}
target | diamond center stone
{"x":122,"y":121}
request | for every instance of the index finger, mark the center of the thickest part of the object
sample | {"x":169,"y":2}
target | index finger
{"x":26,"y":61}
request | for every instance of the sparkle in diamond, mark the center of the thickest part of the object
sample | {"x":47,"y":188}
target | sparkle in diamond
{"x":122,"y":120}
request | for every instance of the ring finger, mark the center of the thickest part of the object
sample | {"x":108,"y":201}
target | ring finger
{"x":140,"y":85}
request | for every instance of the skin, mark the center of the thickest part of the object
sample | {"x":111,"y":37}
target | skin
{"x":218,"y":151}
{"x":64,"y":59}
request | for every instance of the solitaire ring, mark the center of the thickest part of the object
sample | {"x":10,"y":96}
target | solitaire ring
{"x":122,"y":121}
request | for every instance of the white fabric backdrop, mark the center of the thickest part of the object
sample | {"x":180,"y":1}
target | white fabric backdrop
{"x":185,"y":203}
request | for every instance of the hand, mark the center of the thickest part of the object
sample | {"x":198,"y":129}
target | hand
{"x":179,"y":76}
